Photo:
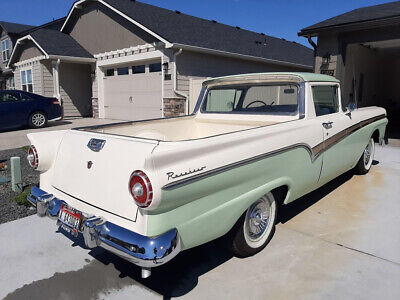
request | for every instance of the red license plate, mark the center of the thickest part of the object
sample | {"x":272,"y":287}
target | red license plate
{"x":70,"y":218}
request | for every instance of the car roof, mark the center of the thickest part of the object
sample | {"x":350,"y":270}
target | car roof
{"x":274,"y":76}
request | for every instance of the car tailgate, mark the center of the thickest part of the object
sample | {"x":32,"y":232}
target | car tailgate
{"x":100,"y":178}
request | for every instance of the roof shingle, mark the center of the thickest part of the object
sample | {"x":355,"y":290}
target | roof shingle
{"x":188,"y":30}
{"x":14,"y":28}
{"x":362,"y":14}
{"x":55,"y":42}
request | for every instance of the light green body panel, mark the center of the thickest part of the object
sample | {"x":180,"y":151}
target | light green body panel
{"x":344,"y":155}
{"x":207,"y":209}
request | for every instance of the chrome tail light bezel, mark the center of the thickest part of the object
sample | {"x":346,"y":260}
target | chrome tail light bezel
{"x":146,"y":184}
{"x":33,"y":157}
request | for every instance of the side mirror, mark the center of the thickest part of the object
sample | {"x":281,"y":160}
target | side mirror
{"x":352,"y":106}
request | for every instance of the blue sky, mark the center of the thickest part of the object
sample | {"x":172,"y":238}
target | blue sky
{"x":280,"y":18}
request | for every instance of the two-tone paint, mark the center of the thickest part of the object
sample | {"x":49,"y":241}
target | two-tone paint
{"x":203,"y":185}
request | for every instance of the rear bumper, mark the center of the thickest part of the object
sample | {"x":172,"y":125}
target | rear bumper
{"x":141,"y":250}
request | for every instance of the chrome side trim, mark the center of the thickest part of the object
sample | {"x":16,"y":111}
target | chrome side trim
{"x":182,"y":182}
{"x":314,"y":153}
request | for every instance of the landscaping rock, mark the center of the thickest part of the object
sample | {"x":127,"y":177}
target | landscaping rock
{"x":9,"y":209}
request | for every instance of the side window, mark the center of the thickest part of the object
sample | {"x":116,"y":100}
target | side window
{"x":326,"y":100}
{"x":11,"y":97}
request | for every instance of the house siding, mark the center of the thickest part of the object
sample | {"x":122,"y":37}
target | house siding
{"x":98,"y":30}
{"x":198,"y":65}
{"x":29,"y":50}
{"x":75,"y":89}
{"x":47,"y":79}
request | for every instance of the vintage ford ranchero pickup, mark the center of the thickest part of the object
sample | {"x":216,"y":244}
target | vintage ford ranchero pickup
{"x":147,"y":190}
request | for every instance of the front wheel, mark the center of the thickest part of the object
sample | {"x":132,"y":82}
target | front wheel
{"x":255,"y":228}
{"x":364,"y":164}
{"x":37,"y":120}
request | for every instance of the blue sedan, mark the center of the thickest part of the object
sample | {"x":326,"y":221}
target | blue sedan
{"x":19,"y":108}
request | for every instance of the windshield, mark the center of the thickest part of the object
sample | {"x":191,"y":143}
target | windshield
{"x":272,"y":99}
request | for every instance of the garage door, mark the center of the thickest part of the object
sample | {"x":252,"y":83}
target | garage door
{"x":133,"y":92}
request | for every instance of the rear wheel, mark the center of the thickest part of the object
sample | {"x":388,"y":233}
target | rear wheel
{"x":364,"y":164}
{"x":37,"y":120}
{"x":255,"y":228}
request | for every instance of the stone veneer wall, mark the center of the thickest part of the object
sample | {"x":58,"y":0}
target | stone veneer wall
{"x":174,"y":107}
{"x":95,"y":107}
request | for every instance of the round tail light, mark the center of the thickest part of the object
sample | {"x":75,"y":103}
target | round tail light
{"x":141,"y":189}
{"x":33,"y":157}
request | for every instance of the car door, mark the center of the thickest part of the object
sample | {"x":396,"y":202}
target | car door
{"x":335,"y":150}
{"x":15,"y":109}
{"x":3,"y":110}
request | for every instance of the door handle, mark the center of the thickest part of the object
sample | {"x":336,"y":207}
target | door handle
{"x":327,"y":125}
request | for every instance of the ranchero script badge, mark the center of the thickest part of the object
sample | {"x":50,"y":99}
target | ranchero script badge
{"x":89,"y":164}
{"x":172,"y":175}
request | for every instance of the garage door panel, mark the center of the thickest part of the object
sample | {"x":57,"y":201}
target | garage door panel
{"x":133,"y":96}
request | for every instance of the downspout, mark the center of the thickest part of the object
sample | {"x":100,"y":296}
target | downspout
{"x":57,"y":84}
{"x":311,"y":42}
{"x":176,"y":83}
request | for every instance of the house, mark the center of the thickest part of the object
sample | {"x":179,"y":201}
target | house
{"x":124,"y":59}
{"x":362,"y":49}
{"x":9,"y":33}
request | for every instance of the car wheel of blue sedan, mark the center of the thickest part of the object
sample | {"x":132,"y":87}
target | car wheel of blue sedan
{"x":37,"y":120}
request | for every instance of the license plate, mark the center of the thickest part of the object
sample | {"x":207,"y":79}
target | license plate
{"x":70,"y":219}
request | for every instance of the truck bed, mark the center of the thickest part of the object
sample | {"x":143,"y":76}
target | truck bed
{"x":179,"y":129}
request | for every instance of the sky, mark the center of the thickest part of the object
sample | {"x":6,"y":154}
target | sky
{"x":279,"y":18}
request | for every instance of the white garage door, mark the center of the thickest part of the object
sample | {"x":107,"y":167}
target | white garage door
{"x":133,"y":92}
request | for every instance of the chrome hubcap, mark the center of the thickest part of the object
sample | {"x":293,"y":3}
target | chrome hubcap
{"x":367,"y":153}
{"x":38,"y":120}
{"x":258,"y":218}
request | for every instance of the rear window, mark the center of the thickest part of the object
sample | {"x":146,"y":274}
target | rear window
{"x":276,"y":99}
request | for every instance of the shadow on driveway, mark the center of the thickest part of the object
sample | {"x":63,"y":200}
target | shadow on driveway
{"x":176,"y":278}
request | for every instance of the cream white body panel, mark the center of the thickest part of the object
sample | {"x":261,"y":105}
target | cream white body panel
{"x":181,"y":146}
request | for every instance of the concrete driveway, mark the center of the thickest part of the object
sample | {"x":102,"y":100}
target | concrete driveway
{"x":340,"y":242}
{"x":17,"y":138}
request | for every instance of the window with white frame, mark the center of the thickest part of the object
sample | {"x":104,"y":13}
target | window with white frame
{"x":26,"y":80}
{"x":5,"y":49}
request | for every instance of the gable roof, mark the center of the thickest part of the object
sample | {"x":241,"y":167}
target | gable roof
{"x":178,"y":29}
{"x":15,"y":28}
{"x":363,"y":14}
{"x":56,"y":43}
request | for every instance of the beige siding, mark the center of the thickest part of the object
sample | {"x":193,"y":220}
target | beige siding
{"x":197,"y":65}
{"x":47,"y":79}
{"x":75,"y":89}
{"x":99,"y":30}
{"x":29,"y":50}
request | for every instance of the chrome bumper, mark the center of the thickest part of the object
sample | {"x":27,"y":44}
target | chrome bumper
{"x":143,"y":251}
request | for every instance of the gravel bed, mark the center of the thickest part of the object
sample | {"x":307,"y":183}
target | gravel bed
{"x":10,"y":210}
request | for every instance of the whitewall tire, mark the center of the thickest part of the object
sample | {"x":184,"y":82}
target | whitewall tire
{"x":255,"y":228}
{"x":364,"y":164}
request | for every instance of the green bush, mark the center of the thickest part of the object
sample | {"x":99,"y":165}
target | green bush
{"x":21,"y":198}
